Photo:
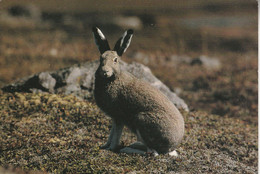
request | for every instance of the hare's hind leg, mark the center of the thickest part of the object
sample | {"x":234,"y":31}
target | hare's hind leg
{"x":138,"y":147}
{"x":114,"y":137}
{"x":130,"y":150}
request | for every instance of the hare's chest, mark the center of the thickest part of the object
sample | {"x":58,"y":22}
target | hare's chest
{"x":106,"y":96}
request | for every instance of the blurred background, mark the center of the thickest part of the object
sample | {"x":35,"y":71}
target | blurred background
{"x":204,"y":50}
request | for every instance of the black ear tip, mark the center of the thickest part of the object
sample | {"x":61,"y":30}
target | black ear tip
{"x":130,"y":31}
{"x":94,"y":29}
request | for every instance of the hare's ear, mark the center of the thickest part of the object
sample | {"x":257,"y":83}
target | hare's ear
{"x":100,"y":40}
{"x":123,"y":43}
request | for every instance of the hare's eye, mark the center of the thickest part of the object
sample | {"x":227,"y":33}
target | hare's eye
{"x":115,"y":60}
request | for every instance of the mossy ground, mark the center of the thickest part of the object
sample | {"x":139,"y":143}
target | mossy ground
{"x":58,"y":134}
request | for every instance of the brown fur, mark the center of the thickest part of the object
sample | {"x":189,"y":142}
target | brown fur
{"x":137,"y":105}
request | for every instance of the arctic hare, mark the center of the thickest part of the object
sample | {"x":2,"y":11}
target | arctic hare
{"x":131,"y":102}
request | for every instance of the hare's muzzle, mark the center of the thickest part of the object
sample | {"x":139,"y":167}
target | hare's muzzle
{"x":106,"y":72}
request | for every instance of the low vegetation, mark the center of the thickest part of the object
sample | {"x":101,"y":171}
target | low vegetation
{"x":57,"y":134}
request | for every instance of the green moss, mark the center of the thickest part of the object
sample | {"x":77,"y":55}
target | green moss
{"x":59,"y":134}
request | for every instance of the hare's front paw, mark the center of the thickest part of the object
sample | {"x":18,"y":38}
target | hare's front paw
{"x":105,"y":146}
{"x":114,"y":148}
{"x":110,"y":147}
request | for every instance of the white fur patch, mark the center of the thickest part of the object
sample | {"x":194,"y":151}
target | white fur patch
{"x":155,"y":153}
{"x":123,"y":37}
{"x":101,"y":34}
{"x":128,"y":43}
{"x":173,"y":153}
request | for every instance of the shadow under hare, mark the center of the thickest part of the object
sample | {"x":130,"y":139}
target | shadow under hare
{"x":131,"y":102}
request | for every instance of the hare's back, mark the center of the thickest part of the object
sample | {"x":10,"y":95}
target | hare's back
{"x":155,"y":113}
{"x":140,"y":94}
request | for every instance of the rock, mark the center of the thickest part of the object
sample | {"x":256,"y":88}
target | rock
{"x":22,"y":16}
{"x":29,"y":11}
{"x":148,"y":19}
{"x":209,"y":63}
{"x":53,"y":52}
{"x":133,"y":22}
{"x":140,"y":57}
{"x":47,"y":81}
{"x":178,"y":90}
{"x":128,"y":22}
{"x":180,"y":59}
{"x":79,"y":80}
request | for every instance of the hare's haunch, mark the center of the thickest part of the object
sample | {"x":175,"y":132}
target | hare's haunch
{"x":131,"y":102}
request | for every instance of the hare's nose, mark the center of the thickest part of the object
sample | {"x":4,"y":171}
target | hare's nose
{"x":105,"y":72}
